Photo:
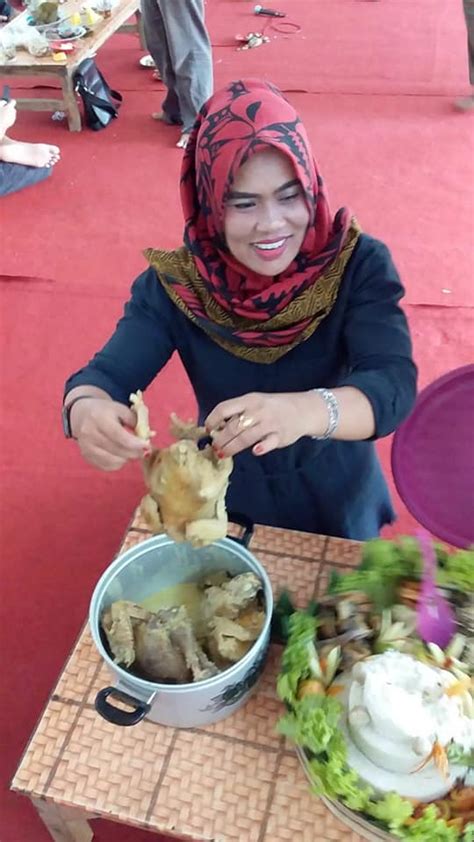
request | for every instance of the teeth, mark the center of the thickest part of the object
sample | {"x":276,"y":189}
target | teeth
{"x":270,"y":246}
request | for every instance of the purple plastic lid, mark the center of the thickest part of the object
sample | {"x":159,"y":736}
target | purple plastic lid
{"x":433,"y":458}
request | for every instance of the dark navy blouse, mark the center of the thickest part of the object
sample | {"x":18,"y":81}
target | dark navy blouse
{"x":330,"y":487}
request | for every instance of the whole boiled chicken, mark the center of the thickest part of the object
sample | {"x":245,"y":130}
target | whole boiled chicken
{"x":186,"y":485}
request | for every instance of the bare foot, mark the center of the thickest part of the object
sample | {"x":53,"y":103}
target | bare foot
{"x":30,"y":154}
{"x":465,"y":103}
{"x":184,"y":140}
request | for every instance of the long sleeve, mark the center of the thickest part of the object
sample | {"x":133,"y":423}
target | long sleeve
{"x":378,"y":341}
{"x":138,"y":349}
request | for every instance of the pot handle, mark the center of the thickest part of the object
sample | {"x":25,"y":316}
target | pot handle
{"x":116,"y":716}
{"x":246,"y":524}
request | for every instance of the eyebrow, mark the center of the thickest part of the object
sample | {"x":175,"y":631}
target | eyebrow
{"x":235,"y":194}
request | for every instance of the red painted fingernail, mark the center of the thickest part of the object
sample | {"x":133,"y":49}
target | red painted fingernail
{"x":221,"y":454}
{"x":258,"y":449}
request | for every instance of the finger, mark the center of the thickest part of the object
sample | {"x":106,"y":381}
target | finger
{"x":121,"y":452}
{"x":123,"y":434}
{"x":103,"y":459}
{"x":120,"y":442}
{"x":107,"y":432}
{"x":227,"y":438}
{"x":126,"y":415}
{"x":223,"y":436}
{"x":268,"y":443}
{"x":243,"y":441}
{"x":225,"y":410}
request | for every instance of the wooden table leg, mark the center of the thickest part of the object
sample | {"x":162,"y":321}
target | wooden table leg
{"x":70,"y":104}
{"x":61,"y":826}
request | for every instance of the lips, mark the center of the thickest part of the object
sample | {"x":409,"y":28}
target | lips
{"x":270,"y":249}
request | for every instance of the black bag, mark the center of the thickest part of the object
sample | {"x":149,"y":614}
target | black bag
{"x":99,"y":108}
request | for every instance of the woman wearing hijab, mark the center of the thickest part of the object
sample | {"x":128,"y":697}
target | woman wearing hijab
{"x":286,"y":319}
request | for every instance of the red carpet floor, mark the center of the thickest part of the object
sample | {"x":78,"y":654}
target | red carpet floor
{"x":374,"y":83}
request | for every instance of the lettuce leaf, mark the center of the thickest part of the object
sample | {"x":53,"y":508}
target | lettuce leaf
{"x":430,"y":828}
{"x":333,"y":778}
{"x":457,"y":755}
{"x":344,"y":782}
{"x":391,"y":810}
{"x":468,"y":835}
{"x":458,"y":571}
{"x":297,"y":658}
{"x":312,"y":723}
{"x":385,"y":563}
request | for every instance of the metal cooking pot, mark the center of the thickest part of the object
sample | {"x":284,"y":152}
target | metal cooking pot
{"x":147,"y":568}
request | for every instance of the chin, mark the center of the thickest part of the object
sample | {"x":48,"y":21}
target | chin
{"x":269,"y":268}
{"x":271,"y":271}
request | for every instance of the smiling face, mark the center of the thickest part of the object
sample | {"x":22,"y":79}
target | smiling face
{"x":266,"y":215}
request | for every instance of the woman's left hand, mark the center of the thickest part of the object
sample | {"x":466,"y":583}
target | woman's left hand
{"x":259,"y":420}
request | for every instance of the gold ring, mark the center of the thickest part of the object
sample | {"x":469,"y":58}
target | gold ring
{"x":245,"y":422}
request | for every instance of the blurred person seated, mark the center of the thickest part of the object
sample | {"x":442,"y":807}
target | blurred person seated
{"x":21,"y":164}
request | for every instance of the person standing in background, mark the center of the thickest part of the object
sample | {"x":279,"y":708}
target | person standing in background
{"x":179,"y":44}
{"x":467,"y":102}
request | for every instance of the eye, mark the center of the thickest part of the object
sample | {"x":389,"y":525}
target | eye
{"x":242,"y":205}
{"x":290,"y":197}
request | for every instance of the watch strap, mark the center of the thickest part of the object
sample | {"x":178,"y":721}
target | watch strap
{"x":67,"y":413}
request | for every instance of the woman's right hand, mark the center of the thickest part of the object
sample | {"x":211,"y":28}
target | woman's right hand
{"x":100,"y":428}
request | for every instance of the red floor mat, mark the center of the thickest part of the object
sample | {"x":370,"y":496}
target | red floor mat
{"x":405,"y":179}
{"x":343,"y":46}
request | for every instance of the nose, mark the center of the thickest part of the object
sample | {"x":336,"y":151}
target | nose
{"x":270,"y":218}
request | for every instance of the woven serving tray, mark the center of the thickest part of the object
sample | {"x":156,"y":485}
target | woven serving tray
{"x":234,"y":781}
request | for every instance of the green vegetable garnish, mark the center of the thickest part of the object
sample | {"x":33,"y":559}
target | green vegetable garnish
{"x":457,"y":755}
{"x":312,"y":721}
{"x":457,"y":570}
{"x":430,"y":828}
{"x":468,"y":835}
{"x":392,"y":810}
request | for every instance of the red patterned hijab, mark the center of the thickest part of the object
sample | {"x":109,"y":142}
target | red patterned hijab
{"x":240,"y":309}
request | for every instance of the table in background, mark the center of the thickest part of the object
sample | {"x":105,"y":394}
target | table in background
{"x":234,"y":781}
{"x":26,"y":65}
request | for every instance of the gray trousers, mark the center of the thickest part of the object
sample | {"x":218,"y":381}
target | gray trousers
{"x":177,"y":38}
{"x":14,"y":177}
{"x":469,"y":15}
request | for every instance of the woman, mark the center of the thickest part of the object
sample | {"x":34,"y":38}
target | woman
{"x":286,"y":320}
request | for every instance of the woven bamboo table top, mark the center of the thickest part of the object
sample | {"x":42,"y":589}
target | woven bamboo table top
{"x":235,"y":781}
